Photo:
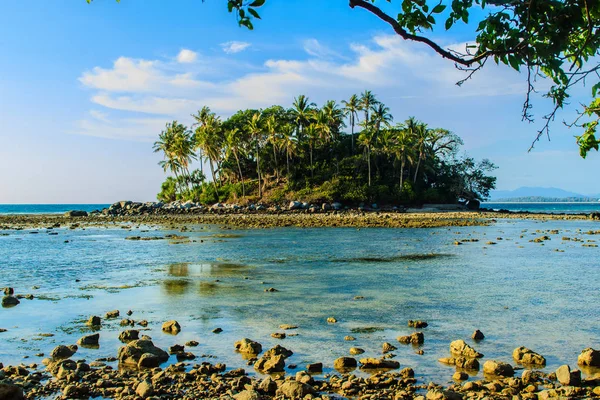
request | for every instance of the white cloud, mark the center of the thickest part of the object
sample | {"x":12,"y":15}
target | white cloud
{"x":391,"y":67}
{"x":186,"y":56}
{"x":234,"y":47}
{"x":316,"y":49}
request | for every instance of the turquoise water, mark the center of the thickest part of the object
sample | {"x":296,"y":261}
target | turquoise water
{"x":47,"y":208}
{"x":553,"y":208}
{"x":516,"y":291}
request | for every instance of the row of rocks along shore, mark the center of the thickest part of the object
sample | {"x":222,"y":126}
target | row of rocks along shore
{"x":296,"y":214}
{"x":144,"y":371}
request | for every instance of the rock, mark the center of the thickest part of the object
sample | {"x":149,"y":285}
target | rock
{"x":356,"y":351}
{"x":148,"y":360}
{"x":247,"y":395}
{"x":438,"y":394}
{"x":278,"y":335}
{"x":8,"y":291}
{"x":133,"y":351}
{"x":460,"y":348}
{"x":63,"y":352}
{"x":349,"y":338}
{"x":477,"y":335}
{"x":407,"y":373}
{"x":9,"y":301}
{"x":331,"y":320}
{"x":388,"y":347}
{"x":112,"y":314}
{"x":304,"y":377}
{"x":76,"y":213}
{"x":523,"y":355}
{"x":268,"y":386}
{"x":295,"y":390}
{"x":143,"y":323}
{"x":217,"y":330}
{"x":377,"y":363}
{"x":460,"y":376}
{"x":345,"y":364}
{"x":270,"y":364}
{"x":192,"y":343}
{"x":287,"y":326}
{"x":414,"y":338}
{"x":11,"y":392}
{"x":145,"y":389}
{"x":129,"y":335}
{"x":185,"y":355}
{"x":279,"y":351}
{"x":417,"y":324}
{"x":248,"y":346}
{"x":314,"y":368}
{"x":336,"y":206}
{"x":89,"y":340}
{"x":295,"y":205}
{"x":498,"y":368}
{"x":94,"y":321}
{"x":171,"y":327}
{"x":566,"y":377}
{"x":461,"y":362}
{"x":589,"y":358}
{"x":473,"y":204}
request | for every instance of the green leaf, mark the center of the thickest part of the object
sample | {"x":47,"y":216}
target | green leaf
{"x":449,"y":23}
{"x":595,"y":89}
{"x":257,"y":3}
{"x":253,"y":12}
{"x":439,"y":8}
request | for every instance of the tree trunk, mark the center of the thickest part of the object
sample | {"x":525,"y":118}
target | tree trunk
{"x":212,"y":171}
{"x":352,"y":135}
{"x":276,"y":164}
{"x":258,"y":171}
{"x":369,"y":163}
{"x":417,"y":169}
{"x":402,"y":173}
{"x":287,"y":157}
{"x":312,"y":174}
{"x":240,"y":171}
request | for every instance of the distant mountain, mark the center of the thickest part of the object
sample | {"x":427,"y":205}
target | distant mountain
{"x":539,"y":192}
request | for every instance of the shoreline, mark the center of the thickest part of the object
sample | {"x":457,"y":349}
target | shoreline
{"x":331,"y":219}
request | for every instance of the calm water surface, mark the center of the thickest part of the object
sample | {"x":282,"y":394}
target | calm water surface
{"x":517,"y":292}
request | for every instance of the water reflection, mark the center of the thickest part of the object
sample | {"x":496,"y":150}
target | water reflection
{"x":208,"y":268}
{"x":174,"y":287}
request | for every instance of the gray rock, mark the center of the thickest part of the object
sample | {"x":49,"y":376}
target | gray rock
{"x":76,"y":213}
{"x":148,"y":360}
{"x":295,"y":205}
{"x":478,"y":335}
{"x":62,"y":352}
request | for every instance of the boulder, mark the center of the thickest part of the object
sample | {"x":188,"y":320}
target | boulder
{"x":295,"y":390}
{"x":417,"y":324}
{"x":63,"y":352}
{"x":129,"y":335}
{"x":9,"y":301}
{"x":295,"y":205}
{"x":133,"y":351}
{"x":314,"y":368}
{"x":112,"y":314}
{"x":460,"y":348}
{"x":473,"y":204}
{"x":171,"y":327}
{"x":378,"y":363}
{"x":461,"y":362}
{"x":498,"y":368}
{"x":438,"y":394}
{"x":145,"y":389}
{"x":589,"y":358}
{"x":248,"y":346}
{"x":523,"y":355}
{"x":148,"y":360}
{"x":8,"y":291}
{"x":89,"y":340}
{"x":345,"y":364}
{"x":356,"y":351}
{"x":414,"y":338}
{"x":279,"y":351}
{"x":270,"y":364}
{"x":336,"y":206}
{"x":268,"y":386}
{"x":388,"y":347}
{"x":566,"y":377}
{"x":11,"y":392}
{"x":247,"y":395}
{"x":94,"y":321}
{"x":477,"y":335}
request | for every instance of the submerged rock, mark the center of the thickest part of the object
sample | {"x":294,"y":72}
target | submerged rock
{"x":89,"y":340}
{"x":417,"y":324}
{"x":62,"y":352}
{"x":94,"y":321}
{"x":378,"y":363}
{"x":171,"y":327}
{"x":461,"y":362}
{"x":414,"y":338}
{"x":129,"y":335}
{"x":248,"y":346}
{"x":498,"y":368}
{"x":9,"y":301}
{"x":345,"y":364}
{"x":477,"y":335}
{"x":133,"y":351}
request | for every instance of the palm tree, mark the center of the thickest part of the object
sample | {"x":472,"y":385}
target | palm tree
{"x":208,"y":138}
{"x":176,"y":144}
{"x":351,"y":108}
{"x":367,"y":138}
{"x":233,"y":145}
{"x":312,"y":133}
{"x":367,"y":102}
{"x":289,"y":143}
{"x":256,"y":132}
{"x":421,"y":136}
{"x":335,"y":116}
{"x":274,"y":139}
{"x":323,"y":125}
{"x":200,"y":117}
{"x":381,"y":116}
{"x":301,"y":110}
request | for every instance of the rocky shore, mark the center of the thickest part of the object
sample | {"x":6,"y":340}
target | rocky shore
{"x":144,"y":373}
{"x":296,"y":214}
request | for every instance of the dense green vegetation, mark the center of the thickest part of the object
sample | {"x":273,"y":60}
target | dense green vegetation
{"x":304,"y":153}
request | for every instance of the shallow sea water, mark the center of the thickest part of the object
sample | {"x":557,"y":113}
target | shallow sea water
{"x":517,"y":292}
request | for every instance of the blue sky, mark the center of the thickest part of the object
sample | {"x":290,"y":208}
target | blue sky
{"x":85,"y":89}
